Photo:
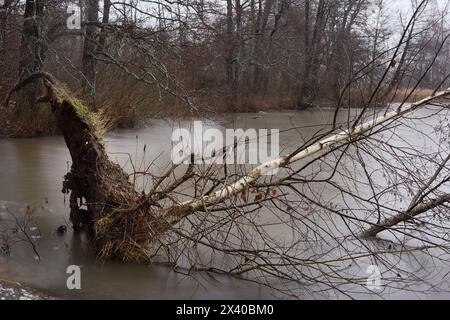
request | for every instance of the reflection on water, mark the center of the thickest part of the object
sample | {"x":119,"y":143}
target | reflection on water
{"x":31,"y":172}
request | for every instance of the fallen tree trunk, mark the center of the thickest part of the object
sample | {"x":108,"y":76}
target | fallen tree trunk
{"x":416,"y":207}
{"x":123,"y":222}
{"x":404,"y":217}
{"x":182,"y":210}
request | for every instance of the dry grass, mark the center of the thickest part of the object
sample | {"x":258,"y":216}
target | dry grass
{"x":125,"y":102}
{"x":355,"y":98}
{"x":255,"y":103}
{"x":408,"y":95}
{"x":36,"y":123}
{"x":218,"y":101}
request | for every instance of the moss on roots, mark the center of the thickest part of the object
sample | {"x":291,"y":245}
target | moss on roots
{"x":80,"y":108}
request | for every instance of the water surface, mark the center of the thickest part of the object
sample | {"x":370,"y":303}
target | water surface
{"x":31,"y":172}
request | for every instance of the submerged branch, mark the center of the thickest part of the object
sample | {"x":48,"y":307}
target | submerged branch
{"x":416,"y":207}
{"x":406,"y":216}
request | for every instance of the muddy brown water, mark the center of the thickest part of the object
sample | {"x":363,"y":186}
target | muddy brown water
{"x":31,"y":172}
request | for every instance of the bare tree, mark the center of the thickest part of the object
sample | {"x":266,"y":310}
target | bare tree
{"x":89,"y":51}
{"x":33,"y":50}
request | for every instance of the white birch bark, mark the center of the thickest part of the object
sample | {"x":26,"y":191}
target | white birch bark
{"x":178,"y":212}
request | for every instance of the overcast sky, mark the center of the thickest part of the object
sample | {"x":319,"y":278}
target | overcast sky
{"x":405,"y":5}
{"x":395,"y":8}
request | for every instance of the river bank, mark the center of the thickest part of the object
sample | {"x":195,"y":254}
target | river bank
{"x":16,"y":291}
{"x":41,"y":124}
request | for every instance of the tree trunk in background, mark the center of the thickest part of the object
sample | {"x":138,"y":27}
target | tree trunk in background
{"x":257,"y":47}
{"x":304,"y":90}
{"x":262,"y":21}
{"x":230,"y":48}
{"x":345,"y":23}
{"x":4,"y":10}
{"x":89,"y":50}
{"x":32,"y":51}
{"x":105,"y":20}
{"x":398,"y":75}
{"x":239,"y":48}
{"x":252,"y":45}
{"x":4,"y":13}
{"x":7,"y":3}
{"x":309,"y":89}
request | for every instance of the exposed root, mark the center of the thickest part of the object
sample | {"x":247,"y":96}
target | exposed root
{"x":121,"y":221}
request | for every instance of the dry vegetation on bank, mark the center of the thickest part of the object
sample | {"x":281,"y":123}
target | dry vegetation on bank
{"x":208,"y":56}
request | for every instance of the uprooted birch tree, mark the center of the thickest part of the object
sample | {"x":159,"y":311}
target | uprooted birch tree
{"x":309,"y":224}
{"x":132,"y":226}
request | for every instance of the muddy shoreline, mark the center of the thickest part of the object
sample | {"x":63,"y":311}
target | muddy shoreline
{"x":15,"y":291}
